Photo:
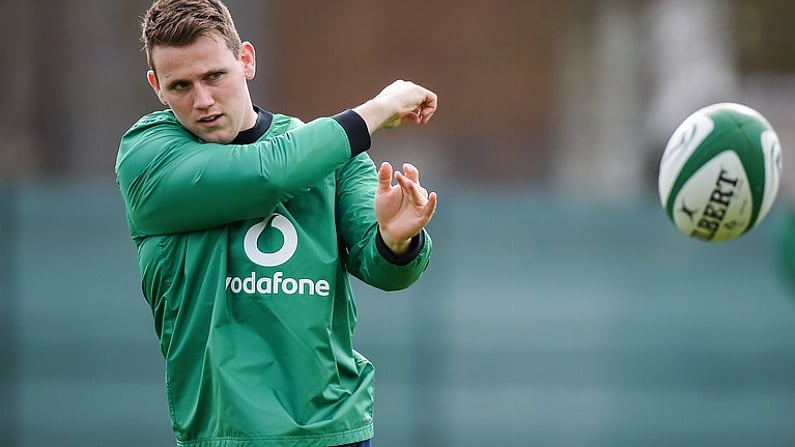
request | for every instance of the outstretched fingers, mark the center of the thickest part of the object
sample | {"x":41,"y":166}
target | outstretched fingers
{"x":412,"y":191}
{"x":430,"y":207}
{"x":411,"y":171}
{"x":414,"y":194}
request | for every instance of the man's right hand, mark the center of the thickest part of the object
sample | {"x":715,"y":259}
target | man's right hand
{"x":402,"y":102}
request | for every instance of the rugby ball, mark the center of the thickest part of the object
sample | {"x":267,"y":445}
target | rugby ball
{"x":720,"y":171}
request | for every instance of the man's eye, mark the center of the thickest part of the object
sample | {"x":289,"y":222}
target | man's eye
{"x":215,"y":76}
{"x":179,"y":86}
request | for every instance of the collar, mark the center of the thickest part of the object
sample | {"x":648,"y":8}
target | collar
{"x":248,"y":136}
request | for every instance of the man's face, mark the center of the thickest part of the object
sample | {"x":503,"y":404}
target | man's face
{"x":205,"y":86}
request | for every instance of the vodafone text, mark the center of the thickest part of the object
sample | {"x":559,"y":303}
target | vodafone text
{"x":276,"y":284}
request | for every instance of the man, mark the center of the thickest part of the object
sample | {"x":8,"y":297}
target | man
{"x":247,"y":226}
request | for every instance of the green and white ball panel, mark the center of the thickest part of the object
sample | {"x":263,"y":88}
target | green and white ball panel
{"x":683,"y":143}
{"x":720,"y":172}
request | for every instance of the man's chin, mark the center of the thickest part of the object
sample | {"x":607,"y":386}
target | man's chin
{"x":219,"y":136}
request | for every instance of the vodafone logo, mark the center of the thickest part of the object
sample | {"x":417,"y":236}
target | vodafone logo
{"x":280,"y":256}
{"x":274,"y":283}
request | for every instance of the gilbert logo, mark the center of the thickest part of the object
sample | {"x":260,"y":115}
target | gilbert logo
{"x":280,"y":256}
{"x":276,"y":282}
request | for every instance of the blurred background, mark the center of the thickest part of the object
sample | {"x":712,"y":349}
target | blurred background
{"x":561,"y":307}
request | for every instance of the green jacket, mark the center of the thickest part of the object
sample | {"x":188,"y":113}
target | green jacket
{"x":245,"y":252}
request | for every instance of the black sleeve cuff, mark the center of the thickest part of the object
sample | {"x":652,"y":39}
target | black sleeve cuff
{"x":356,"y":128}
{"x":415,"y":247}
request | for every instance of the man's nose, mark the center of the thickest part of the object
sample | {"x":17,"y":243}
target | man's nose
{"x":202,"y":97}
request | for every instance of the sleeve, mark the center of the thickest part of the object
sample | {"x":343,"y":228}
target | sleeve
{"x":366,"y":258}
{"x":171,"y":182}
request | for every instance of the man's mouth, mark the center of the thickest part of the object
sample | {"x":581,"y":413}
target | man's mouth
{"x":209,"y":119}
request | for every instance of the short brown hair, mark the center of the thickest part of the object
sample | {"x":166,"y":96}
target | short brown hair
{"x":179,"y":23}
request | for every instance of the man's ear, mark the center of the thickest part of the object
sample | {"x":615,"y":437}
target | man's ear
{"x":249,"y":60}
{"x":151,"y":77}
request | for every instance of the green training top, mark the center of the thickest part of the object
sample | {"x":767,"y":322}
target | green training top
{"x":244,"y":252}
